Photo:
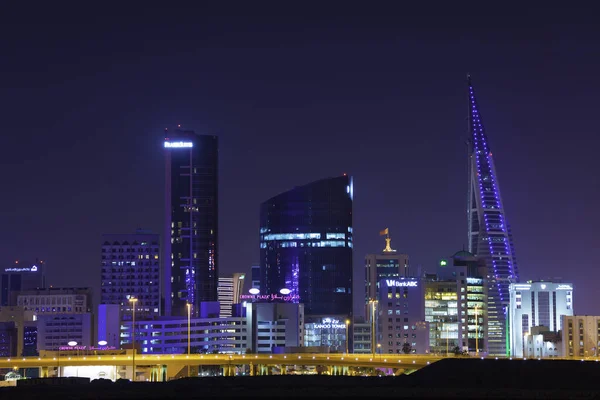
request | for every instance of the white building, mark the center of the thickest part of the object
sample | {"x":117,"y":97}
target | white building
{"x":580,"y":336}
{"x":276,"y":325}
{"x":537,"y":304}
{"x":542,"y":343}
{"x":229,"y":290}
{"x":264,"y":326}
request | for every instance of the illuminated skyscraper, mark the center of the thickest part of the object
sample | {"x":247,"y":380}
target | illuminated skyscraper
{"x":306,"y":247}
{"x":191,"y":221}
{"x":489,"y":235}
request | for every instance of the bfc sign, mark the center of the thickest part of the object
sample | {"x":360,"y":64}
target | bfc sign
{"x":394,"y":283}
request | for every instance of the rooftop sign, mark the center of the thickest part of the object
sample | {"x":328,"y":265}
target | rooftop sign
{"x":178,"y":145}
{"x":33,"y":268}
{"x":394,"y":283}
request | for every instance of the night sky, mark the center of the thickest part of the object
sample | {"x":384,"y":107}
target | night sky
{"x":296,"y":95}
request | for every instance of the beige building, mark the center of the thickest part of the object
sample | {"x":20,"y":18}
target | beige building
{"x":580,"y":335}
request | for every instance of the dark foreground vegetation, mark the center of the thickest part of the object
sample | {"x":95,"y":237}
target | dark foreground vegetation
{"x":452,"y":378}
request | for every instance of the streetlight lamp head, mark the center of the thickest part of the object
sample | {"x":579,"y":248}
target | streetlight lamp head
{"x":347,"y":322}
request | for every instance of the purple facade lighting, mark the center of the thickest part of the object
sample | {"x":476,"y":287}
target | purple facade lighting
{"x":489,"y":234}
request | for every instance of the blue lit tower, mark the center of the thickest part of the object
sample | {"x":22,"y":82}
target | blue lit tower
{"x":490,"y":236}
{"x":306,"y":246}
{"x":190,"y":270}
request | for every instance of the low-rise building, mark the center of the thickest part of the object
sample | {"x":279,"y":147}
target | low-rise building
{"x":580,"y":335}
{"x":542,"y":343}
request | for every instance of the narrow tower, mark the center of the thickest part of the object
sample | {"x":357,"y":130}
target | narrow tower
{"x":191,"y":266}
{"x":489,"y":235}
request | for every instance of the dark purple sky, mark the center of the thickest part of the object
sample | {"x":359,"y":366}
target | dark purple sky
{"x":297,"y":95}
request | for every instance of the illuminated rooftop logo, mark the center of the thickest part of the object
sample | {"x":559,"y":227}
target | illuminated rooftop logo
{"x":394,"y":283}
{"x":178,"y":145}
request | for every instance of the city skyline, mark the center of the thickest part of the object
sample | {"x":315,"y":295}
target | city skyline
{"x":84,"y":162}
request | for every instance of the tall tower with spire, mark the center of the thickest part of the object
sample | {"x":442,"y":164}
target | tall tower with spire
{"x":489,"y":235}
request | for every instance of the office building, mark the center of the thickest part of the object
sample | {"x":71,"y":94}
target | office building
{"x":306,"y":246}
{"x":256,"y":277}
{"x":361,"y":336}
{"x":276,"y":326}
{"x":580,"y":335}
{"x":489,"y":234}
{"x":53,"y":301}
{"x":456,"y":305}
{"x":15,"y":327}
{"x":131,"y":268}
{"x":262,"y":328}
{"x":21,"y":276}
{"x":62,"y":315}
{"x":109,"y":319}
{"x":329,"y":332}
{"x":191,"y":261}
{"x":536,"y":304}
{"x":58,"y":330}
{"x":401,"y":326}
{"x":389,"y":264}
{"x":229,"y":290}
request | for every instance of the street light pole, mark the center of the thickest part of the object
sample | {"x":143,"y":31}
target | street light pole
{"x":133,"y":301}
{"x":189,"y":312}
{"x":347,"y":338}
{"x":476,"y":332}
{"x":447,"y":333}
{"x":373,"y":302}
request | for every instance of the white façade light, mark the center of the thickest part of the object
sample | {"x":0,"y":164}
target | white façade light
{"x":285,"y":291}
{"x":254,"y":291}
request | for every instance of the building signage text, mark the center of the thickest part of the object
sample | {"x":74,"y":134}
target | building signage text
{"x":329,"y":323}
{"x":288,"y":298}
{"x":91,"y":348}
{"x":393,"y":283}
{"x":179,"y":145}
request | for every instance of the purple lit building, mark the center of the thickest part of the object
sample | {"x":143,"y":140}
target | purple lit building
{"x":489,"y":235}
{"x":306,"y":247}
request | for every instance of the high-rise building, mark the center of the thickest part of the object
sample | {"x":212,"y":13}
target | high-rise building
{"x":456,"y":305}
{"x":401,"y":326}
{"x":131,"y":268}
{"x":537,"y":304}
{"x":489,"y":234}
{"x":306,"y":246}
{"x":21,"y":276}
{"x":389,"y":264}
{"x":191,"y":264}
{"x":229,"y":290}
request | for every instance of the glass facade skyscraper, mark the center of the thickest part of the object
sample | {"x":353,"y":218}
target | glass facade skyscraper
{"x":190,"y":270}
{"x":489,"y":235}
{"x":306,"y":246}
